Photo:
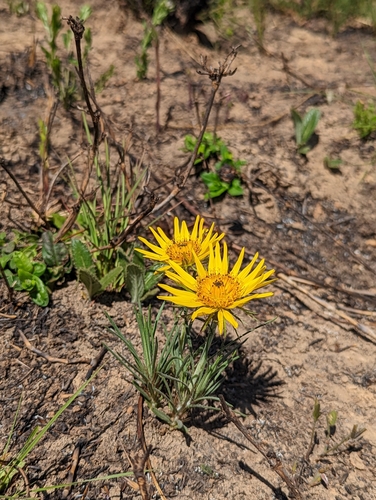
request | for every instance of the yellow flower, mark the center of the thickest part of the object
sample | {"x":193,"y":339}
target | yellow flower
{"x":216,"y":291}
{"x":183,"y":246}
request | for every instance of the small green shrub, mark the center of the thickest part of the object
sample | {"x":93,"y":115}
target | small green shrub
{"x":32,"y":264}
{"x":364,"y":119}
{"x":304,"y":129}
{"x":227,"y":171}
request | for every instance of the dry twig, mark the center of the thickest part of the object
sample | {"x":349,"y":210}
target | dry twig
{"x":215,"y":75}
{"x":49,"y":358}
{"x":268,"y":453}
{"x":363,"y":330}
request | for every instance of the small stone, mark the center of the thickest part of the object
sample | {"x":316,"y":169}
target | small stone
{"x":357,"y":462}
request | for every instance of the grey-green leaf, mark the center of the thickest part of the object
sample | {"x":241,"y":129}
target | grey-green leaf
{"x":135,"y":282}
{"x":54,"y":254}
{"x":110,"y":277}
{"x":91,"y":282}
{"x":81,"y":256}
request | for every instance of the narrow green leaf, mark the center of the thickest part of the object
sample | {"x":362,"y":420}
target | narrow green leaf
{"x":297,"y":119}
{"x":111,"y":277}
{"x":309,"y":124}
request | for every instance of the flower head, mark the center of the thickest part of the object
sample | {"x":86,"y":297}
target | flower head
{"x":184,"y":247}
{"x":216,"y":291}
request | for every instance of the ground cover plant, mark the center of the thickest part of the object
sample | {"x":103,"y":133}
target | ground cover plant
{"x":236,"y":333}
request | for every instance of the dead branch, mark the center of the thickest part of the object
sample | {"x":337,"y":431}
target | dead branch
{"x":49,"y":358}
{"x":72,"y":470}
{"x":363,"y":330}
{"x":146,"y":449}
{"x":268,"y":453}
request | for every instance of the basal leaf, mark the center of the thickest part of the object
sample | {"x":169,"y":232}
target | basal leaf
{"x":81,"y":256}
{"x":91,"y":282}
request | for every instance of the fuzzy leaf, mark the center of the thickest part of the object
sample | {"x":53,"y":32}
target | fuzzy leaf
{"x":91,"y":282}
{"x":81,"y":256}
{"x":135,"y":282}
{"x":54,"y":254}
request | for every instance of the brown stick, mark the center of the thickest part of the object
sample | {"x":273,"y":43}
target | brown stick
{"x":146,"y":449}
{"x":269,"y":454}
{"x":363,"y":330}
{"x":72,"y":470}
{"x":21,"y":190}
{"x":95,"y":362}
{"x":49,"y":358}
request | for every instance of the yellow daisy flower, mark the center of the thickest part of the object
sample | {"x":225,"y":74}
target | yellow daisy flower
{"x":183,"y":246}
{"x":216,"y":291}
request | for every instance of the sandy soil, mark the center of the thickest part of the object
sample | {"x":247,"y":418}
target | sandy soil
{"x":317,"y":228}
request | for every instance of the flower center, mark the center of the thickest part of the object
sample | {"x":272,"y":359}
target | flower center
{"x":218,"y":290}
{"x":181,"y":252}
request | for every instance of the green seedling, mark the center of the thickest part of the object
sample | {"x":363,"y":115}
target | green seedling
{"x":258,"y":9}
{"x":102,"y":220}
{"x":333,"y":164}
{"x":226,"y":175}
{"x":140,"y":282}
{"x":178,"y":377}
{"x":19,"y":8}
{"x":364,"y":119}
{"x":304,"y":129}
{"x":62,"y":67}
{"x":331,"y":447}
{"x":87,"y":272}
{"x":161,"y":10}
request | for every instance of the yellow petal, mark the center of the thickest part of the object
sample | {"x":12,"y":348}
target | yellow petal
{"x":185,"y":278}
{"x":211,"y":265}
{"x":225,"y":259}
{"x":203,"y":311}
{"x":248,"y":268}
{"x":157,"y":250}
{"x":199,"y":267}
{"x":235,"y":270}
{"x":162,"y":239}
{"x":230,"y":318}
{"x":151,"y":256}
{"x":194,"y":233}
{"x":184,"y":233}
{"x":221,"y":322}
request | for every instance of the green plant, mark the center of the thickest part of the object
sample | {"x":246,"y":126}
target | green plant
{"x":161,"y":10}
{"x":87,"y":272}
{"x":333,"y":164}
{"x":331,"y":446}
{"x":258,"y":9}
{"x":11,"y":464}
{"x":101,"y":259}
{"x":364,"y":119}
{"x":20,"y":8}
{"x":304,"y":129}
{"x":25,"y":271}
{"x":64,"y":76}
{"x":226,"y":174}
{"x":338,"y":12}
{"x":178,"y":377}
